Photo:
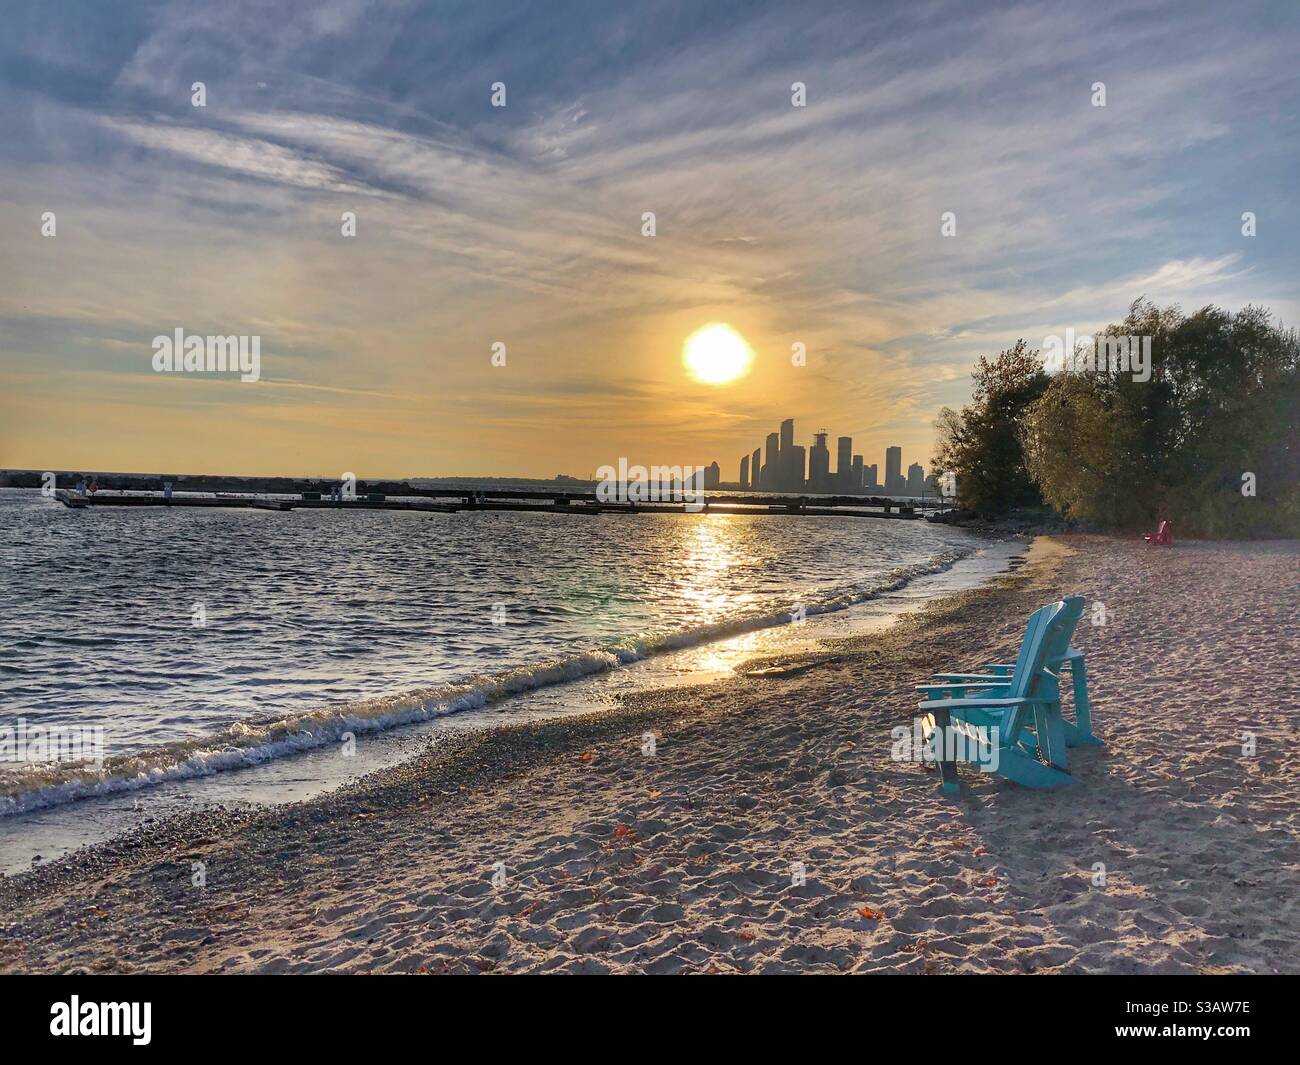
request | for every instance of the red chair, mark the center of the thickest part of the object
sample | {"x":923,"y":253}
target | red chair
{"x":1161,"y":537}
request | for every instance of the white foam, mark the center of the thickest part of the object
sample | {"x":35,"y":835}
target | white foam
{"x":248,"y":743}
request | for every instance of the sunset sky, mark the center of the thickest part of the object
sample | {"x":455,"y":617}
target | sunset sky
{"x":523,"y":224}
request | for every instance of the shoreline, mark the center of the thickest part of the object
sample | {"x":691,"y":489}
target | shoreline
{"x":162,"y":782}
{"x":386,"y":649}
{"x":620,"y":861}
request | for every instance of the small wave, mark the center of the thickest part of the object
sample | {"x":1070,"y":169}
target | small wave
{"x":253,"y":742}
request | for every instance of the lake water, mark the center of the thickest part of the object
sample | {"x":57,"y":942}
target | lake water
{"x":204,"y":641}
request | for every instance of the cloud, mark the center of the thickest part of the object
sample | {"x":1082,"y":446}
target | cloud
{"x":255,"y":158}
{"x":522,"y":224}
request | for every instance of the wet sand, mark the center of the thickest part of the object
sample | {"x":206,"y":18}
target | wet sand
{"x":769,"y":829}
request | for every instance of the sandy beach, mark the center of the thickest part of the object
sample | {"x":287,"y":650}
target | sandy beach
{"x":578,"y":846}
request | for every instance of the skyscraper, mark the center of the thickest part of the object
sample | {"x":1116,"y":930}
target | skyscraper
{"x":772,"y":468}
{"x":844,"y":464}
{"x":795,"y":464}
{"x":915,"y":479}
{"x":819,"y":464}
{"x":787,"y":434}
{"x":856,"y":475}
{"x":756,"y":468}
{"x":894,"y":470}
{"x":712,"y":475}
{"x":869,"y":474}
{"x":790,"y":471}
{"x":744,"y":471}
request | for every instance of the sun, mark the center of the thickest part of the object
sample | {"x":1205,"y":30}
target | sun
{"x":715,"y":354}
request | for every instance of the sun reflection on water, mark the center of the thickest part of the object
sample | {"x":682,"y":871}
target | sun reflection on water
{"x":712,"y":549}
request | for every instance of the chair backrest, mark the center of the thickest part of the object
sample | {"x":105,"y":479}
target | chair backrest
{"x":1058,"y":639}
{"x":1033,"y":648}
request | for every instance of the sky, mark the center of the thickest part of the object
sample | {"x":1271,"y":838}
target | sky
{"x":522,"y":225}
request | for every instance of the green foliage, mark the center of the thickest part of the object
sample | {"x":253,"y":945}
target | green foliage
{"x":1085,"y":450}
{"x":1221,"y":402}
{"x":981,"y":445}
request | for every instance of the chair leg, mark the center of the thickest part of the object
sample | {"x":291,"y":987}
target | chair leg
{"x":950,"y":782}
{"x":1050,"y":734}
{"x":1081,"y":734}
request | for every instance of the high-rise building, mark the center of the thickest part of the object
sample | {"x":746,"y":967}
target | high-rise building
{"x":819,"y":464}
{"x":756,"y":468}
{"x":869,"y":477}
{"x":894,"y":483}
{"x":844,"y":464}
{"x":795,"y":461}
{"x":915,"y":479}
{"x":856,"y":474}
{"x":787,"y":434}
{"x":712,"y":475}
{"x":744,"y":471}
{"x":772,"y":467}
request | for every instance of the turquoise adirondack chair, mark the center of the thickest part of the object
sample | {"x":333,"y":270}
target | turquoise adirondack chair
{"x":1060,"y":657}
{"x":991,"y":721}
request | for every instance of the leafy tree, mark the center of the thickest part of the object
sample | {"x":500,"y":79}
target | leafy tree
{"x":1221,"y":402}
{"x":981,"y":444}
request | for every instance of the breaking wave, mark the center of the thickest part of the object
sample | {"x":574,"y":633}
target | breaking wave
{"x":249,"y":743}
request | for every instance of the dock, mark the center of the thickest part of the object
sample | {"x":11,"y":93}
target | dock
{"x":287,"y":494}
{"x":563,"y":504}
{"x":71,"y":499}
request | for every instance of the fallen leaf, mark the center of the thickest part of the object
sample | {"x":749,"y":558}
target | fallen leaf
{"x":990,"y":882}
{"x":586,"y":756}
{"x":745,"y":935}
{"x":655,"y":794}
{"x":867,"y":913}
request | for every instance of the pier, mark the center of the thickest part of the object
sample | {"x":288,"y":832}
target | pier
{"x":562,"y":505}
{"x":283,"y":494}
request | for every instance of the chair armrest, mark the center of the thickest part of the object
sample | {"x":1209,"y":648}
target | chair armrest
{"x":960,"y":686}
{"x":994,"y":678}
{"x":974,"y":703}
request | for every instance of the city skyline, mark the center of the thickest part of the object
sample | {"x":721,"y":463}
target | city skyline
{"x":784,"y":466}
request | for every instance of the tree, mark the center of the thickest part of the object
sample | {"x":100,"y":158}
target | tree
{"x":1221,"y":402}
{"x":981,"y":444}
{"x":1082,"y":451}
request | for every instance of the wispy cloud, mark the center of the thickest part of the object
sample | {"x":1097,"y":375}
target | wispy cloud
{"x":522,"y":224}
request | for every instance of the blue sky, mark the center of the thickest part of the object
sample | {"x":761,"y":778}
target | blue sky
{"x":521,"y":224}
